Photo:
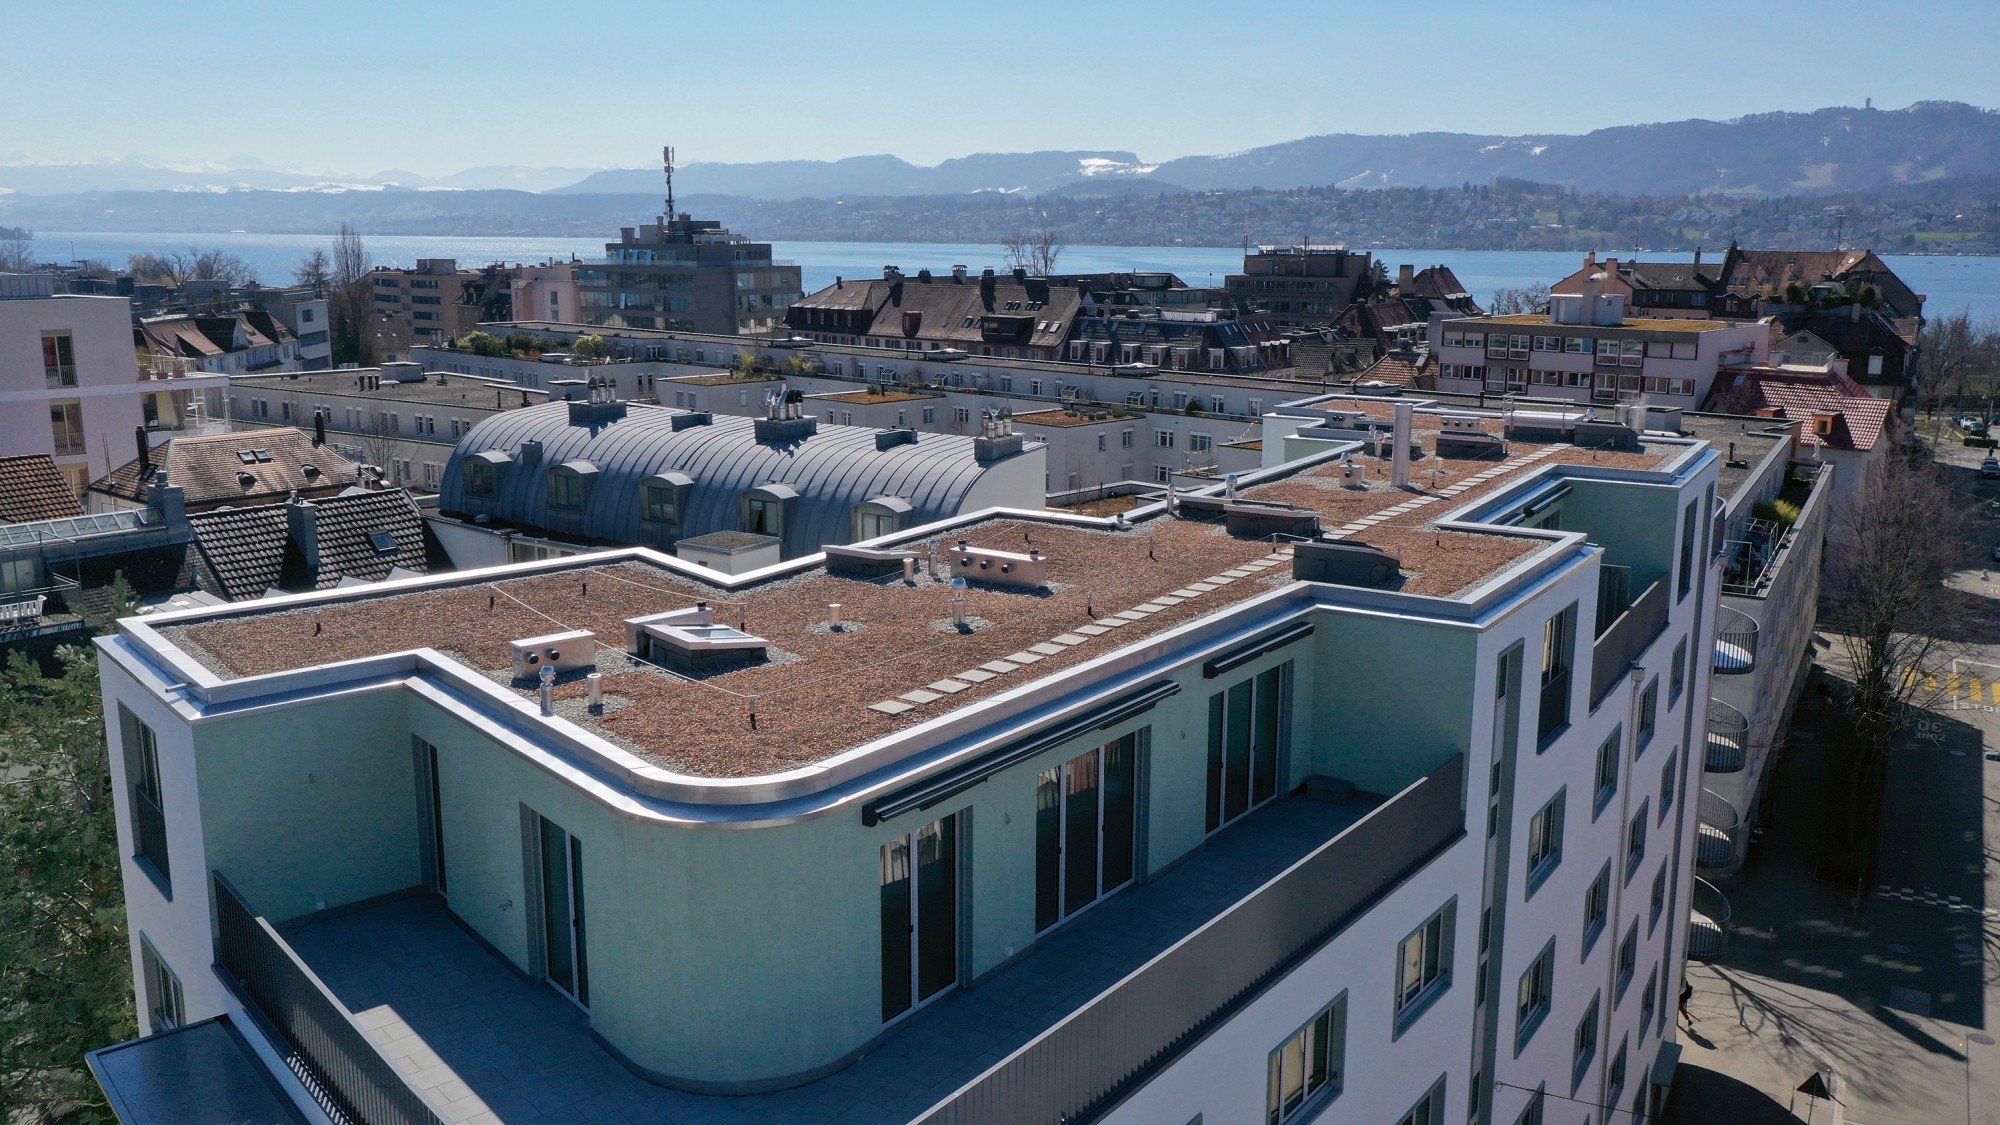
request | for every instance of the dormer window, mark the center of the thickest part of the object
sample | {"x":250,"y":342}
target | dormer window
{"x":479,"y":478}
{"x":569,"y":484}
{"x":764,"y":508}
{"x":662,"y":496}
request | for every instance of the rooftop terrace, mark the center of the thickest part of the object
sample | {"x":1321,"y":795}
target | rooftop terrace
{"x":898,"y":658}
{"x":1649,"y":325}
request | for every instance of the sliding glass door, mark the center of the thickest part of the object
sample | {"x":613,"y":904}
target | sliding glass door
{"x":1086,"y":819}
{"x":919,"y":916}
{"x":1246,"y":731}
{"x":562,"y":912}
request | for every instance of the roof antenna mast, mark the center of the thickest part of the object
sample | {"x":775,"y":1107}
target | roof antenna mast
{"x":667,"y":162}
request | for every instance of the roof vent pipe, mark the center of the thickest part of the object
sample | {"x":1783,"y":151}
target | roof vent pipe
{"x":910,"y":571}
{"x":548,"y":689}
{"x":833,"y":614}
{"x":1399,"y":458}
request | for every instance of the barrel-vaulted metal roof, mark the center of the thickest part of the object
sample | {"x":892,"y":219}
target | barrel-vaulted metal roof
{"x":832,"y":470}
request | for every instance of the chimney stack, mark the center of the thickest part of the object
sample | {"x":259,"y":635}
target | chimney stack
{"x":1406,"y":278}
{"x":302,"y":520}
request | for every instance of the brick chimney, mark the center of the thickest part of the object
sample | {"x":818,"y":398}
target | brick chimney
{"x":302,"y":520}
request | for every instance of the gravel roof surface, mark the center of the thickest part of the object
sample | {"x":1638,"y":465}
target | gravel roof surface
{"x":818,"y":700}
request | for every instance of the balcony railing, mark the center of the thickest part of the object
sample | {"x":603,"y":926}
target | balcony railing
{"x":1621,"y":643}
{"x":332,"y":1055}
{"x":1718,"y":828}
{"x":1141,"y":1024}
{"x":1735,"y":641}
{"x":1708,"y":922}
{"x":1727,"y":729}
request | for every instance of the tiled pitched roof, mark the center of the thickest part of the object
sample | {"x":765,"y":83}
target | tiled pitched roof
{"x":32,"y":488}
{"x":945,"y":306}
{"x":249,"y":551}
{"x":1861,"y":417}
{"x":212,"y":470}
{"x":1400,"y":369}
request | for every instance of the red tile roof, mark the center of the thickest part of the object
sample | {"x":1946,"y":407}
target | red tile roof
{"x":32,"y":488}
{"x":1859,"y":417}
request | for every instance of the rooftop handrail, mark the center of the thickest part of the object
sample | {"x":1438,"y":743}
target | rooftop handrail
{"x":1620,"y":644}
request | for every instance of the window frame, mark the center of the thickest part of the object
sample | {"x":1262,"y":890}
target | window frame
{"x":1585,"y":1040}
{"x":1328,"y":1029}
{"x":1610,"y":756}
{"x":1435,"y":955}
{"x":1532,"y":1007}
{"x":1596,"y":910}
{"x":1628,"y":962}
{"x":165,"y":1001}
{"x":1544,"y":845}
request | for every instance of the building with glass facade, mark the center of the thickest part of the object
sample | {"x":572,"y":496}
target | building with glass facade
{"x":688,"y":275}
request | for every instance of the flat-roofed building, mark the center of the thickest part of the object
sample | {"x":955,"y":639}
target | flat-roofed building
{"x":1315,"y":794}
{"x":686,"y":274}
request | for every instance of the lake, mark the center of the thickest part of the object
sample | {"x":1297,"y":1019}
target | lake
{"x":1950,"y":283}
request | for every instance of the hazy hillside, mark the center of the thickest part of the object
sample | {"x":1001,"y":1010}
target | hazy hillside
{"x":1031,"y":172}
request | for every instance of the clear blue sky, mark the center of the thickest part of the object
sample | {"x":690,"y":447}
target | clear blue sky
{"x":434,"y":87}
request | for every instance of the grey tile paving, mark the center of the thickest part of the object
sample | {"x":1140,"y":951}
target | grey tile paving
{"x":497,"y":1048}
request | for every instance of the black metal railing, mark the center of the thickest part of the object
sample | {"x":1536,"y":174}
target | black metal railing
{"x":1627,"y":637}
{"x":1735,"y":641}
{"x":1728,"y":729}
{"x":333,"y":1056}
{"x":1140,"y":1025}
{"x":149,"y":833}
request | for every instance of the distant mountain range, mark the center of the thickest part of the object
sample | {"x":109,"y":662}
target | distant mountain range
{"x":1836,"y":149}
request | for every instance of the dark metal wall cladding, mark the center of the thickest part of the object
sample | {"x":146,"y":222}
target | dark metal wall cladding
{"x":834,"y":470}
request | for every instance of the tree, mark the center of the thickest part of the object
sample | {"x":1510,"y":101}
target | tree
{"x":1889,"y":551}
{"x":349,"y":297}
{"x":315,"y":271}
{"x":220,"y":265}
{"x":1522,"y":300}
{"x":482,"y":343}
{"x":17,"y":250}
{"x":65,"y":969}
{"x":589,"y":347}
{"x":1034,"y":251}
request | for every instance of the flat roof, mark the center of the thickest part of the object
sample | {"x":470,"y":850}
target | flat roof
{"x":201,"y":1074}
{"x":1640,"y":323}
{"x":898,"y":660}
{"x":466,"y":390}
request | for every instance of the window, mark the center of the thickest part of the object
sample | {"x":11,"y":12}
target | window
{"x":1198,"y":443}
{"x":1101,"y":440}
{"x":1583,"y":1047}
{"x":1648,"y":1000}
{"x":479,"y":477}
{"x":1667,"y":785}
{"x":1649,"y":707}
{"x":66,"y":426}
{"x":1215,"y":403}
{"x":919,"y":913}
{"x":1163,"y":474}
{"x":1558,"y":649}
{"x":961,"y":415}
{"x":1545,"y":833}
{"x":165,"y":1007}
{"x":1423,"y":966}
{"x":930,"y":415}
{"x":1608,"y":753}
{"x":1635,"y":842}
{"x":1308,"y":1063}
{"x":1614,"y":1079}
{"x":1658,"y":903}
{"x":1533,"y":1114}
{"x":1687,"y":551}
{"x":1548,"y":343}
{"x":1125,"y":439}
{"x":763,"y":515}
{"x":1429,"y":1109}
{"x":1677,"y":674}
{"x":1085,"y":829}
{"x":565,"y":490}
{"x":659,"y":502}
{"x":58,"y":359}
{"x":1577,"y":345}
{"x":1628,"y":959}
{"x":1597,"y":908}
{"x":1532,"y":998}
{"x":142,"y":782}
{"x":1163,"y":438}
{"x":1246,"y":729}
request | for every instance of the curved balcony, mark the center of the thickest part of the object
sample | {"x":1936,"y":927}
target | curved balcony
{"x":1708,"y":922}
{"x":1727,"y":730}
{"x":1735,"y":642}
{"x":1719,"y":826}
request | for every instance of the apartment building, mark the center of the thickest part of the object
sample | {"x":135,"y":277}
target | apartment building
{"x":305,"y":314}
{"x":1300,"y":286}
{"x":426,"y":301}
{"x":396,"y":417}
{"x":730,"y":493}
{"x":1009,"y":817}
{"x":73,"y":386}
{"x":686,"y":274}
{"x":545,"y":292}
{"x":1588,"y":348}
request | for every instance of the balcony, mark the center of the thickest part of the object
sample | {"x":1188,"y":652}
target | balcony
{"x":1708,"y":922}
{"x":1084,"y":1015}
{"x":1735,"y":642}
{"x":1718,"y":827}
{"x":1626,"y":636}
{"x":1727,"y":730}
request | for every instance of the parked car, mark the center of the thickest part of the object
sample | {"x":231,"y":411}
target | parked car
{"x":1964,"y":421}
{"x":1990,"y":468}
{"x":1974,"y":426}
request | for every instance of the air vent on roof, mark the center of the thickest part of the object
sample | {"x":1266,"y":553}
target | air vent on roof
{"x":1004,"y":568}
{"x":562,"y":651}
{"x":693,"y":418}
{"x":245,"y":479}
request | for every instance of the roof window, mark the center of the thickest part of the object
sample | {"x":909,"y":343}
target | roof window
{"x":384,"y":542}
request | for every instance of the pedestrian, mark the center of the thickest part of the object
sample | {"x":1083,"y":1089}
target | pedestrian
{"x":1825,"y":695}
{"x":1687,"y":994}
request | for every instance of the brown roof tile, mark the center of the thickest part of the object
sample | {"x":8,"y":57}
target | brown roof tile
{"x":32,"y":488}
{"x":253,"y":467}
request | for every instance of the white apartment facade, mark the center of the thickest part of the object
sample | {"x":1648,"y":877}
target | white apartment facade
{"x":1448,"y":896}
{"x":73,"y":386}
{"x":1587,"y":349}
